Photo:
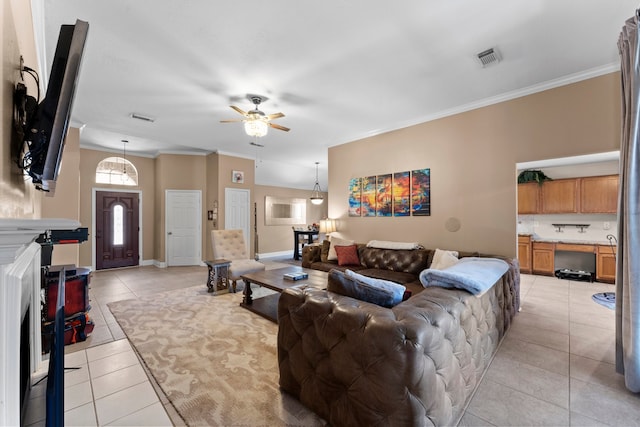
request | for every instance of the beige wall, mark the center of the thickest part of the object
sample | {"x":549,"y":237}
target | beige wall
{"x":65,"y":201}
{"x":146,"y":184}
{"x":211,"y":202}
{"x":226,"y":166}
{"x":279,"y":238}
{"x":473,"y":158}
{"x":177,"y":172}
{"x":18,"y":197}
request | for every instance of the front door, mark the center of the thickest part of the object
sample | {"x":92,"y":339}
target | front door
{"x":116,"y":233}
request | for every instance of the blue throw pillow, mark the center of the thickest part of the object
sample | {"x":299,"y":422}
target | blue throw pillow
{"x":376,"y":291}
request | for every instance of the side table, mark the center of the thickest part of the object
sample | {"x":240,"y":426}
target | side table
{"x":218,"y":279}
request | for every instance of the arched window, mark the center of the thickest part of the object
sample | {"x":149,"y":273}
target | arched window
{"x":117,"y":171}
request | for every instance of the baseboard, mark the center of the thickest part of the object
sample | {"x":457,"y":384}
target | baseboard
{"x":159,"y":264}
{"x":281,"y":254}
{"x":147,"y":262}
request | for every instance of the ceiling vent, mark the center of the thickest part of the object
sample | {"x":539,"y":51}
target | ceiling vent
{"x":143,"y":118}
{"x":489,"y":57}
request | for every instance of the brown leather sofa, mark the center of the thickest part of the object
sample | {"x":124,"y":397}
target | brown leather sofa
{"x":400,"y":266}
{"x":355,"y":363}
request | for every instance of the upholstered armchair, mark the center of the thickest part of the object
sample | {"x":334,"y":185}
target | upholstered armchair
{"x":230,"y":245}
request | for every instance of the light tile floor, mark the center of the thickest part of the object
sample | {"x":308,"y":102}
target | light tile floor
{"x":554,"y":367}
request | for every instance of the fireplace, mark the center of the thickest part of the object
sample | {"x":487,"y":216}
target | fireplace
{"x":20,"y":337}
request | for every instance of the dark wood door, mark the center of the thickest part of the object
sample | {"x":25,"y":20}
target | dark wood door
{"x":116,"y":229}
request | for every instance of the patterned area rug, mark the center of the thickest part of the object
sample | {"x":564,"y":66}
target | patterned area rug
{"x":215,"y":361}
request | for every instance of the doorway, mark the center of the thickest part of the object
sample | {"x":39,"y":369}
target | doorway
{"x":183,"y":227}
{"x":117,"y":229}
{"x":237,"y":212}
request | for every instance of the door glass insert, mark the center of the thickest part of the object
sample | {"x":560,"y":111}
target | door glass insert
{"x":118,"y":225}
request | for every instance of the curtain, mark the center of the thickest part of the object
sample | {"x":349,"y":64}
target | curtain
{"x":628,"y":259}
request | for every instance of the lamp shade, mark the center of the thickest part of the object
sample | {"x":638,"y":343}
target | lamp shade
{"x":327,"y":225}
{"x":256,"y":127}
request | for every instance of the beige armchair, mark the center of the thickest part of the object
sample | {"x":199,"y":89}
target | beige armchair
{"x":230,"y":245}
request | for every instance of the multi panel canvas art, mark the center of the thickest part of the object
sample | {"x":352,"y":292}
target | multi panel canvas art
{"x":399,"y":194}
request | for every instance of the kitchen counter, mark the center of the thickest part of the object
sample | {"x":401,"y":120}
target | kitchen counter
{"x":535,"y":238}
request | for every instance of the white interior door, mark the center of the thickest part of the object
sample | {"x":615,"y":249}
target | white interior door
{"x":183,"y":227}
{"x":237,"y":212}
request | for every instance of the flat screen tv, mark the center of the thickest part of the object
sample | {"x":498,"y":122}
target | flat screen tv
{"x":49,"y":129}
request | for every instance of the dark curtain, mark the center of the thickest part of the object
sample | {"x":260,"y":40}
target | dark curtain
{"x":628,"y":261}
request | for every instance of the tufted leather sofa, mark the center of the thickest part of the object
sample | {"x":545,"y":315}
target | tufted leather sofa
{"x":416,"y":364}
{"x":400,"y":266}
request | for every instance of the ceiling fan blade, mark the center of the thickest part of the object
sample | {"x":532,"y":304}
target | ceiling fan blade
{"x":239,"y":110}
{"x":275,"y":116}
{"x":275,"y":126}
{"x":231,"y":121}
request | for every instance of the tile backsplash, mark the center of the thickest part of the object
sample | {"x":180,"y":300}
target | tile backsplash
{"x":540,"y":226}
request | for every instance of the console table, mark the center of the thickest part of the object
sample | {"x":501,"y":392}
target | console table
{"x":296,"y":237}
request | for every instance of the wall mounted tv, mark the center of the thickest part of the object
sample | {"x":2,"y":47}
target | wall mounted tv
{"x":45,"y":131}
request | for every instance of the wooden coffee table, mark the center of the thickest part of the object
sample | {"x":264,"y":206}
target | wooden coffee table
{"x":267,"y":306}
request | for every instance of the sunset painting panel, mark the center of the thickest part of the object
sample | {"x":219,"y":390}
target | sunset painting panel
{"x":401,"y":194}
{"x":421,"y":192}
{"x":354,"y":197}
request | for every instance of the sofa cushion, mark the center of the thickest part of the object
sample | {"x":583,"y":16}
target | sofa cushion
{"x":348,"y":255}
{"x":376,"y":291}
{"x":336,"y":241}
{"x":324,"y":252}
{"x":407,"y":261}
{"x":443,"y":259}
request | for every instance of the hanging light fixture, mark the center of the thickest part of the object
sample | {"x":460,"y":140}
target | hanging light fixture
{"x":124,"y":156}
{"x":316,"y":196}
{"x":256,"y":126}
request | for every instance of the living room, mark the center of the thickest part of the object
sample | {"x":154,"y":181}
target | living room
{"x":472,"y":157}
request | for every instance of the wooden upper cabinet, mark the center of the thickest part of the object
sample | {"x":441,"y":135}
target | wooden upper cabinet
{"x":599,"y":194}
{"x":560,"y":196}
{"x":529,"y":198}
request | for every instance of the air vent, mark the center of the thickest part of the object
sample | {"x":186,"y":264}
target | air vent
{"x":142,"y":117}
{"x":488,"y":57}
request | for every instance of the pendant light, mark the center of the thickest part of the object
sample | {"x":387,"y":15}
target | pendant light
{"x":124,"y":156}
{"x":316,"y":196}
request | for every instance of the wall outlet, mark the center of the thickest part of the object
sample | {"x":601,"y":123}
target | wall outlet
{"x":606,"y":225}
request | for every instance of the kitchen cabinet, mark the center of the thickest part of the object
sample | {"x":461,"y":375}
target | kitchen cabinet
{"x":606,"y":264}
{"x":524,"y":254}
{"x":559,"y":196}
{"x":542,"y":254}
{"x":599,"y":194}
{"x":529,"y":198}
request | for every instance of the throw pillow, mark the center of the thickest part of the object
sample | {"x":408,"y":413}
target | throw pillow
{"x":348,"y":255}
{"x":336,"y":241}
{"x":324,"y":251}
{"x":396,"y":289}
{"x":382,"y":295}
{"x":443,"y":259}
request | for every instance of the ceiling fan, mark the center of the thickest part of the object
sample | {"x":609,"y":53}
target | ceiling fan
{"x":257,"y":123}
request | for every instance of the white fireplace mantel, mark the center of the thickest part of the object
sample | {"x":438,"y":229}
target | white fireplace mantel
{"x":20,"y":288}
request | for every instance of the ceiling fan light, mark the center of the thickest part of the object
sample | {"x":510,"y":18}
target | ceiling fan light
{"x":257,"y":128}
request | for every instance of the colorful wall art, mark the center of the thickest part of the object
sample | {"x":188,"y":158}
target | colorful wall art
{"x":421,"y":192}
{"x":405,"y":193}
{"x":383,"y":195}
{"x":368,"y":201}
{"x":354,"y":197}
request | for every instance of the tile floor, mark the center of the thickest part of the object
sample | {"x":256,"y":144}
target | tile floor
{"x":554,"y":367}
